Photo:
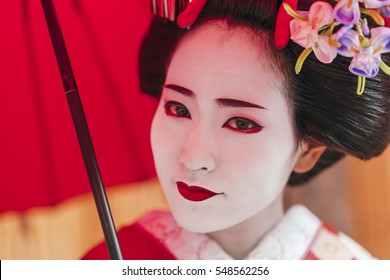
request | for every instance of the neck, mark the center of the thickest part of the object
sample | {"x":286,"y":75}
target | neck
{"x":238,"y":241}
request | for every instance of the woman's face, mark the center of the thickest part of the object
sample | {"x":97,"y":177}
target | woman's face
{"x":222,"y":136}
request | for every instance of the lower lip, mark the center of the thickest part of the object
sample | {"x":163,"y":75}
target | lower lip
{"x":194,"y":193}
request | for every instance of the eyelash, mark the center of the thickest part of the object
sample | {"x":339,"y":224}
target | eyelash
{"x":169,"y":110}
{"x":253,"y":127}
{"x":172,"y":107}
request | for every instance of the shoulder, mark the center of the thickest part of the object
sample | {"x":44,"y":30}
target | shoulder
{"x":330,"y":244}
{"x":136,"y":242}
{"x":302,"y":235}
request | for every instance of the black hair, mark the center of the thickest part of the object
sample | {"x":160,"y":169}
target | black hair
{"x":325,"y":107}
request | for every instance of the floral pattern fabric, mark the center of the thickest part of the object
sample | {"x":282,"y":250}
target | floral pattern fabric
{"x":299,"y":235}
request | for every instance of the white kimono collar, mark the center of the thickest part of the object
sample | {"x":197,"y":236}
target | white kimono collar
{"x":298,"y":235}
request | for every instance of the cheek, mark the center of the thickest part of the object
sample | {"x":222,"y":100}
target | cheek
{"x":251,"y":152}
{"x":165,"y":141}
{"x":259,"y":162}
{"x":159,"y":138}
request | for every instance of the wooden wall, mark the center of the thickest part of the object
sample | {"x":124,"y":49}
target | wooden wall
{"x":369,"y":196}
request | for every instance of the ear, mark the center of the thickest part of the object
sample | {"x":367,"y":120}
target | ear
{"x":309,"y":157}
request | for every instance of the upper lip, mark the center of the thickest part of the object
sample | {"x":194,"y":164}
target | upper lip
{"x":195,"y":188}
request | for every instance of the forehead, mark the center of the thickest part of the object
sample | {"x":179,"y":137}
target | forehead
{"x":231,"y":60}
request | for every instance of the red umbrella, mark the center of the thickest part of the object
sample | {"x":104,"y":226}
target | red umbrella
{"x":40,"y":160}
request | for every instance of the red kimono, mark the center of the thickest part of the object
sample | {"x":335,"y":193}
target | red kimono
{"x":299,"y":235}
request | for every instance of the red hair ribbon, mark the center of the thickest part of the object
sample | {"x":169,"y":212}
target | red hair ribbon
{"x":191,"y":13}
{"x":387,"y":21}
{"x":282,"y":27}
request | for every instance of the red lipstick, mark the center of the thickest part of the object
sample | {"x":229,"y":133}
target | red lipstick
{"x":194,"y":193}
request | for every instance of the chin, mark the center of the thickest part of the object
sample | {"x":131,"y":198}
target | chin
{"x":198,"y":227}
{"x":198,"y":223}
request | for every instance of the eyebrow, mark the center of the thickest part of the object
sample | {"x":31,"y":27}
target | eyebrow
{"x":182,"y":90}
{"x":237,"y":103}
{"x":227,"y":102}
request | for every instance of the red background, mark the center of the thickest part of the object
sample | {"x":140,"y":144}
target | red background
{"x":40,"y":160}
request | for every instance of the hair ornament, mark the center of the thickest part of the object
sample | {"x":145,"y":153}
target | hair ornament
{"x":315,"y":30}
{"x":191,"y":13}
{"x":164,"y":9}
{"x":282,"y":26}
{"x":324,"y":30}
{"x":185,"y":12}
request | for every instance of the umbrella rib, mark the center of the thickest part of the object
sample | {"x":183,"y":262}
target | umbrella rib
{"x":82,"y":131}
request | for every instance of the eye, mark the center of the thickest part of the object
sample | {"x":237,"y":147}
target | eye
{"x":243,"y":125}
{"x":176,"y":109}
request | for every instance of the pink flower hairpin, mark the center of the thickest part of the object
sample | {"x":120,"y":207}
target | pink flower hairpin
{"x":314,"y":31}
{"x":305,"y":31}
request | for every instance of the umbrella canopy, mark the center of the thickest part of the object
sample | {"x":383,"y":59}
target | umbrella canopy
{"x":40,"y":160}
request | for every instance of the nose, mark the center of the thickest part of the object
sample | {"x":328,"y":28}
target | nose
{"x":198,"y":152}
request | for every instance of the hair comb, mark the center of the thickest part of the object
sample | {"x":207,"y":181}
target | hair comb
{"x":168,"y":9}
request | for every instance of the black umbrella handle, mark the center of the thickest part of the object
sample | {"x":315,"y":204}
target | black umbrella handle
{"x":82,"y":131}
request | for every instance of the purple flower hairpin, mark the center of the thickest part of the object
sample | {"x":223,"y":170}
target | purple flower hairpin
{"x":314,"y":31}
{"x":349,"y":11}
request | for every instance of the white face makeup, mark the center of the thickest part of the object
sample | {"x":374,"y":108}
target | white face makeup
{"x":223,"y":125}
